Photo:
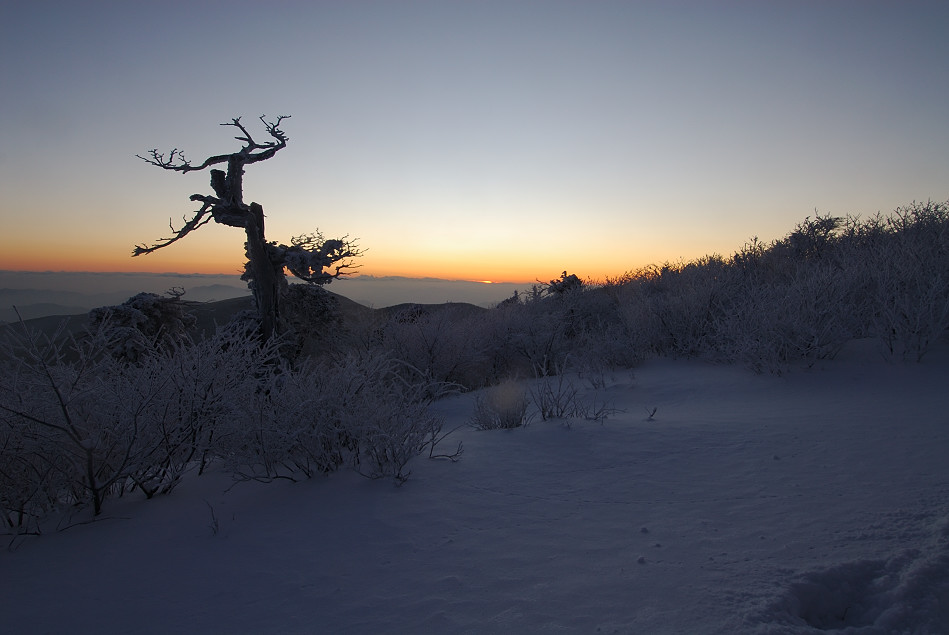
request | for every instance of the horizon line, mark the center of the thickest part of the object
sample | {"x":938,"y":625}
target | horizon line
{"x":237,"y":275}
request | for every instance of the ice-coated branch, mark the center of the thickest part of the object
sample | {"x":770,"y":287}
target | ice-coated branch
{"x":314,"y":259}
{"x":269,"y":148}
{"x":310,"y":257}
{"x":201,"y":217}
{"x":227,"y":207}
{"x":177,"y":162}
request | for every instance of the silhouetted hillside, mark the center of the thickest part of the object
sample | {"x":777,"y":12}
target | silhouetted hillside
{"x":411,"y":308}
{"x":39,"y":309}
{"x":209,"y":314}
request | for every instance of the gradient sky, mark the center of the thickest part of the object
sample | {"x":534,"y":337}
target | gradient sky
{"x":467,"y":140}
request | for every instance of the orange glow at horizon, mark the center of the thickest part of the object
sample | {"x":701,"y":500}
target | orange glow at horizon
{"x":194,"y":266}
{"x":106,"y":264}
{"x":217,"y":255}
{"x":230,"y":262}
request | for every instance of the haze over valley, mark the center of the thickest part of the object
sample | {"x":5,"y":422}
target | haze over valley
{"x":39,"y":294}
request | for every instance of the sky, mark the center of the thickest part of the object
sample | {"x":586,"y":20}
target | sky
{"x":502,"y":141}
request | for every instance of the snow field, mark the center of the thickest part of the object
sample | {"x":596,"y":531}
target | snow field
{"x":813,"y":502}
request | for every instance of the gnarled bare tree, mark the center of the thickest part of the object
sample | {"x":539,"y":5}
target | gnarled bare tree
{"x":309,"y":257}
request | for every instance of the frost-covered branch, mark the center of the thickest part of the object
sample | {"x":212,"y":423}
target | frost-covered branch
{"x":177,"y":162}
{"x":201,"y":217}
{"x":314,"y":259}
{"x":310,"y":257}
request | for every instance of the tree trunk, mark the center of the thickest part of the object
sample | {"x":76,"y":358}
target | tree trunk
{"x":266,"y":278}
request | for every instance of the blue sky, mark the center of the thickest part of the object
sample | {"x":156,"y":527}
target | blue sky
{"x":472,"y":140}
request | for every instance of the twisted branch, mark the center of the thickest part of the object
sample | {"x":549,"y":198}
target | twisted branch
{"x":309,"y":255}
{"x":177,"y":162}
{"x":228,"y":206}
{"x":201,"y":217}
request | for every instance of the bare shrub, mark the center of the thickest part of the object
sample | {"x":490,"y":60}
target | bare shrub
{"x":557,"y":397}
{"x":500,"y":407}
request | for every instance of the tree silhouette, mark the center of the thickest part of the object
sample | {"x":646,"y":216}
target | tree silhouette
{"x":309,"y":257}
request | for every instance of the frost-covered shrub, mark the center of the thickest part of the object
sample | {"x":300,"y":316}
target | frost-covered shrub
{"x":911,"y":276}
{"x":386,"y":417}
{"x":144,"y":322}
{"x":596,"y":337}
{"x":813,"y":239}
{"x":315,"y":418}
{"x":540,"y":331}
{"x":32,"y":479}
{"x":72,"y":430}
{"x":674,"y":309}
{"x":202,"y":387}
{"x":800,"y":298}
{"x":312,"y":321}
{"x":534,"y":333}
{"x":78,"y":425}
{"x":501,"y":359}
{"x":282,"y":431}
{"x":445,"y":343}
{"x":567,"y":283}
{"x":769,"y":326}
{"x":638,"y":312}
{"x":287,"y":428}
{"x":689,"y":298}
{"x":539,"y":335}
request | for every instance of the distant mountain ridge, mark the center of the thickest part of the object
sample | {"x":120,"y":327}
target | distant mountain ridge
{"x":39,"y":294}
{"x":19,"y":310}
{"x":34,"y":303}
{"x":212,"y":314}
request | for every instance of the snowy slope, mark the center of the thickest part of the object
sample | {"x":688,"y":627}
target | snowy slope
{"x":813,"y":502}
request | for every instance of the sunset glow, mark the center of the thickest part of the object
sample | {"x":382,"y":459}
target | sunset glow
{"x":495,"y":141}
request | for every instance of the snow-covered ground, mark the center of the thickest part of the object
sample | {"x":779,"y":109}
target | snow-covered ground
{"x":813,"y":502}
